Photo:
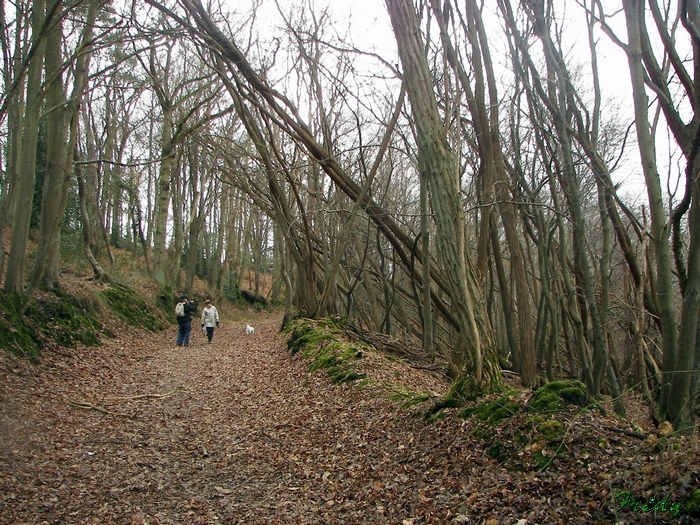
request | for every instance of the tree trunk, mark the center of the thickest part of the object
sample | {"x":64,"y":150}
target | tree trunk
{"x":426,"y":314}
{"x":486,"y":122}
{"x":62,"y":129}
{"x":474,"y":350}
{"x":23,"y":196}
{"x":162,"y":204}
{"x":99,"y":273}
{"x":634,"y":12}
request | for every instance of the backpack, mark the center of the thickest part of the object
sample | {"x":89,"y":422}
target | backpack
{"x":180,"y":310}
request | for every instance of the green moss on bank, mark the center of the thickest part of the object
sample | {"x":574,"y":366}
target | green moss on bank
{"x":53,"y":318}
{"x":493,"y":411}
{"x":323,"y":343}
{"x":16,"y":335}
{"x":66,"y":320}
{"x":557,"y":395}
{"x":131,"y":307}
{"x":407,"y":397}
{"x":691,"y":506}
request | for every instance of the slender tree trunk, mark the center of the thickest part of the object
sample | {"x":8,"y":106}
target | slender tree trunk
{"x":162,"y":204}
{"x":427,"y":315}
{"x":475,"y":348}
{"x":10,"y":155}
{"x":216,"y":269}
{"x":659,"y":227}
{"x":99,"y":273}
{"x":23,"y":196}
{"x":62,"y":131}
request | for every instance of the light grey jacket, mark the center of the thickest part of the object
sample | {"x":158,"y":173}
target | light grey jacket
{"x":210,"y":316}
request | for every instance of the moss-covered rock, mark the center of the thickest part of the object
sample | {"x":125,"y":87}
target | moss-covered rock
{"x":493,"y":411}
{"x":550,"y":429}
{"x":557,"y":395}
{"x":691,"y":506}
{"x":307,"y":333}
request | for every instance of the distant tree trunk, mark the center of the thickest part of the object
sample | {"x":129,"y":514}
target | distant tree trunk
{"x":300,"y":250}
{"x":99,"y":273}
{"x":288,"y":292}
{"x":556,"y":95}
{"x":98,"y":237}
{"x":365,"y":278}
{"x":198,"y":213}
{"x":216,"y":269}
{"x":162,"y":204}
{"x":277,"y":254}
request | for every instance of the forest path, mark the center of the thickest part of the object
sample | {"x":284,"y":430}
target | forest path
{"x":237,"y":431}
{"x":139,"y":431}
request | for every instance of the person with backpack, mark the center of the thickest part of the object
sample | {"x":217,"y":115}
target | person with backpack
{"x":210,"y":319}
{"x":183,"y":312}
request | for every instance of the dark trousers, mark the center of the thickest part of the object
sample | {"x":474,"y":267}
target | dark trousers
{"x":210,"y":332}
{"x":183,"y":334}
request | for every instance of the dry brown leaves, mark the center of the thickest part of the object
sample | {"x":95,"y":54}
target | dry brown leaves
{"x":139,"y":431}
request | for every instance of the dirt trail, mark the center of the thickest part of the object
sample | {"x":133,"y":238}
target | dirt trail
{"x":139,"y":431}
{"x":237,"y":431}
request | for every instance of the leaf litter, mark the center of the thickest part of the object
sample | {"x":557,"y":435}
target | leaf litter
{"x":139,"y":431}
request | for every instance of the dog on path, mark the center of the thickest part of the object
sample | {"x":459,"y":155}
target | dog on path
{"x":249,"y":329}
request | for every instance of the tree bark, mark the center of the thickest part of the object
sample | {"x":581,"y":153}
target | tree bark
{"x":474,"y":350}
{"x":634,"y":12}
{"x":486,"y":122}
{"x":23,"y":196}
{"x":62,"y":131}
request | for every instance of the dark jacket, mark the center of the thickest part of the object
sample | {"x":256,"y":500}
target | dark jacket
{"x":190,"y":308}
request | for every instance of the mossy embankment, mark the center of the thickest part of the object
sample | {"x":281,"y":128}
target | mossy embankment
{"x":520,"y":428}
{"x":330,"y":346}
{"x":322,"y":342}
{"x":58,"y":318}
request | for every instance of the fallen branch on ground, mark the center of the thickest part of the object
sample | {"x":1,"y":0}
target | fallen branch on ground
{"x":101,"y":410}
{"x":144,"y":396}
{"x":626,"y":432}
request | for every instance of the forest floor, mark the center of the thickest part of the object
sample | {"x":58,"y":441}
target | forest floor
{"x":139,"y":431}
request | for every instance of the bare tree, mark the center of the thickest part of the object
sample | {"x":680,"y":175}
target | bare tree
{"x":474,"y":347}
{"x":26,"y":160}
{"x":62,"y":135}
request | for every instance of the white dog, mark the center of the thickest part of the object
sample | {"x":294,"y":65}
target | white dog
{"x":249,"y":329}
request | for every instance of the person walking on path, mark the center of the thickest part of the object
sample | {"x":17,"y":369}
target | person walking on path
{"x":210,"y":319}
{"x":184,"y":321}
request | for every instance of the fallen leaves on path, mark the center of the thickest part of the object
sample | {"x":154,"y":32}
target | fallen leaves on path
{"x":238,"y":431}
